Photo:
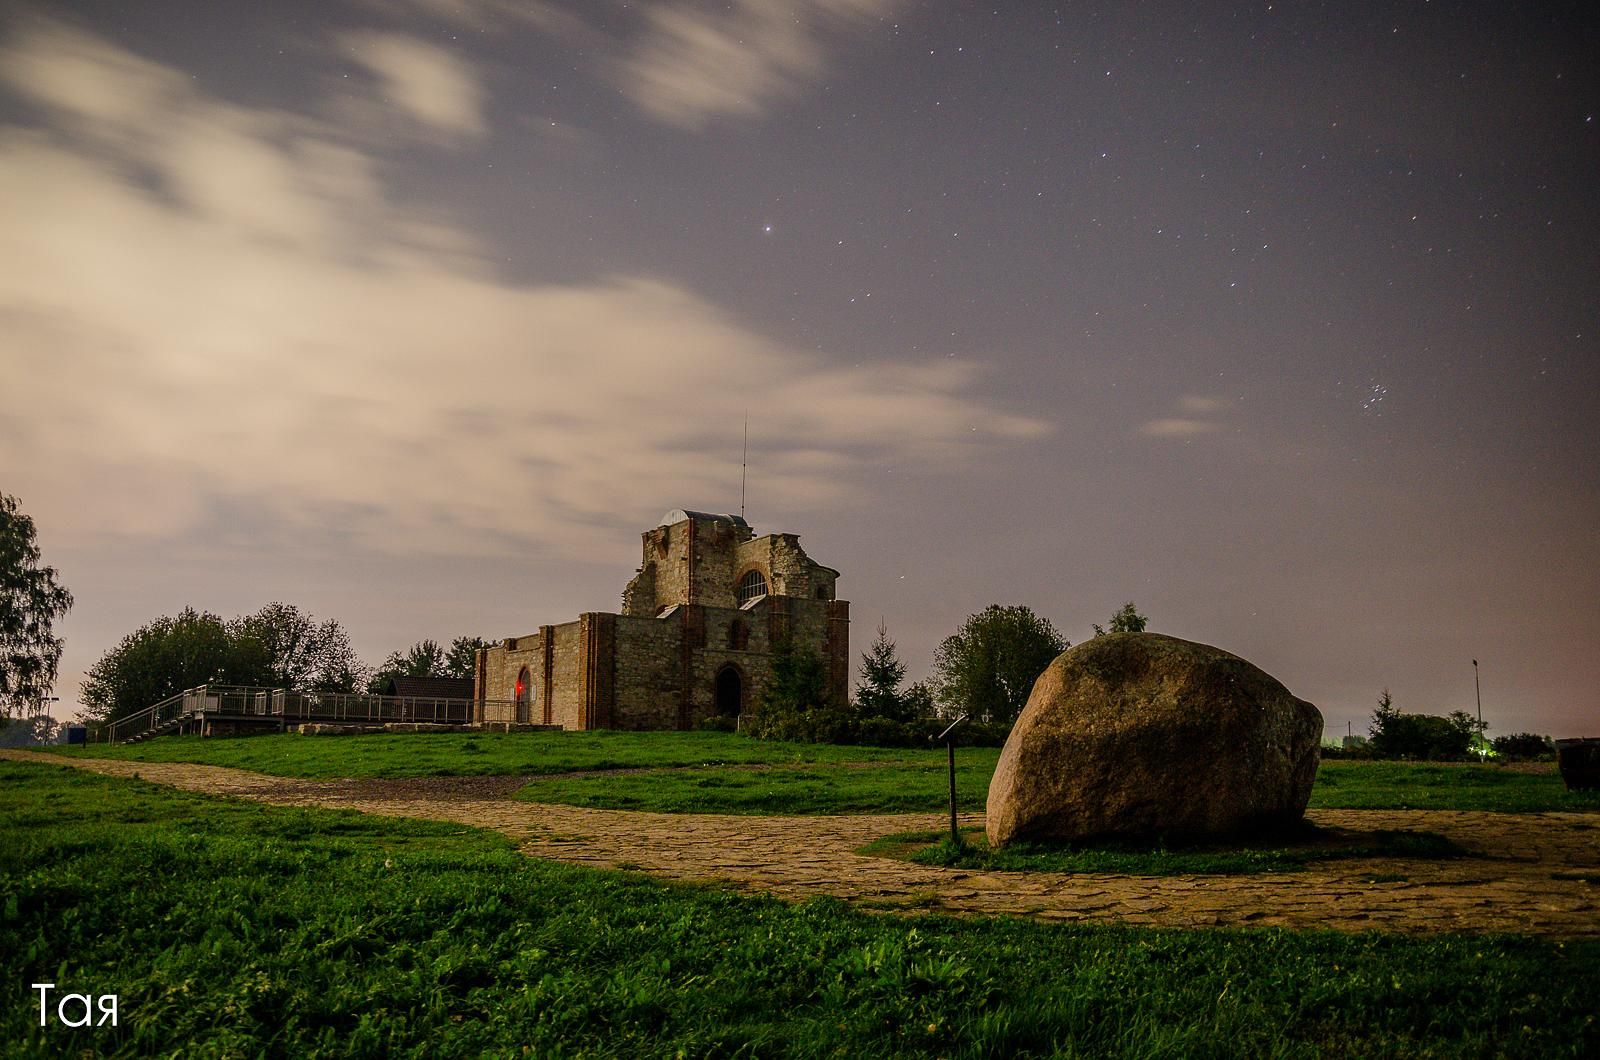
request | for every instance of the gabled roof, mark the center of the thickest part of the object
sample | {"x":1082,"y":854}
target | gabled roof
{"x":430,"y":687}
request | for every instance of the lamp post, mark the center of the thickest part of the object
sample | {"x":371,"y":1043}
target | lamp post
{"x":950,"y":749}
{"x":1478,"y":689}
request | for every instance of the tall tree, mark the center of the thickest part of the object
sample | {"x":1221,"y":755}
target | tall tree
{"x":462,"y":658}
{"x":879,"y":695}
{"x":1396,"y":734}
{"x":795,"y":704}
{"x":1127,"y":619}
{"x":295,"y":651}
{"x":988,"y":667}
{"x":423,"y":659}
{"x":279,"y":646}
{"x":31,"y":600}
{"x":799,"y":682}
{"x":163,"y":658}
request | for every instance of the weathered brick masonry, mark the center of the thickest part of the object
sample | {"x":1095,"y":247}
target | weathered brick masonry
{"x":709,"y":606}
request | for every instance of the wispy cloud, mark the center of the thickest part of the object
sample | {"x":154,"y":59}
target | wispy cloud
{"x":1200,"y":404}
{"x":428,"y":84}
{"x":1198,"y":415}
{"x":486,"y":15}
{"x":684,"y":63}
{"x":694,"y":64}
{"x":1177,"y":428}
{"x":215,"y":307}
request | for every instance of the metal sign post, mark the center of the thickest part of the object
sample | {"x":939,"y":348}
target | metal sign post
{"x":950,"y":748}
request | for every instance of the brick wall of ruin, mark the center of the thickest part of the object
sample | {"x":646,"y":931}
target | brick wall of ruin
{"x":498,"y":671}
{"x":636,"y":671}
{"x":713,"y":566}
{"x":566,"y":692}
{"x":648,"y":668}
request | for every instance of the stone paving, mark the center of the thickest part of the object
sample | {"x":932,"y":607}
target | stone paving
{"x":1536,"y":874}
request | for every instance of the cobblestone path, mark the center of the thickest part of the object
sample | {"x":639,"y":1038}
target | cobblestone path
{"x":1530,"y":873}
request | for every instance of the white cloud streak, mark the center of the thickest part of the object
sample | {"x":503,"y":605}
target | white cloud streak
{"x":694,"y":65}
{"x":1177,"y":428}
{"x":426,"y":83}
{"x":1202,"y":405}
{"x":207,"y":307}
{"x":1197,"y":417}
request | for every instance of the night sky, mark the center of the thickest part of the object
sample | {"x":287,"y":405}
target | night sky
{"x":1276,"y":319}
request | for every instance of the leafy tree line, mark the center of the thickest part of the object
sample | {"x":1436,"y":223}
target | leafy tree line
{"x":985,"y":670}
{"x":1453,"y":737}
{"x":279,"y":646}
{"x":1524,"y":746}
{"x":796,"y":704}
{"x":1396,"y":734}
{"x":426,"y":658}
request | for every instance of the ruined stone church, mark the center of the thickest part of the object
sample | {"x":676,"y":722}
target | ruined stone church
{"x":700,"y":624}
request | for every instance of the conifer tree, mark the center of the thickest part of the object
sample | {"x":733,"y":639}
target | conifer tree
{"x":879,"y":695}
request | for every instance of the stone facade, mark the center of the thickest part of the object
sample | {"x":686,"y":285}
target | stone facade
{"x":700,"y":622}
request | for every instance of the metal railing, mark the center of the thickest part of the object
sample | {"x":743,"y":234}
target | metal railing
{"x":510,"y":712}
{"x":154,"y":716}
{"x":234,"y":701}
{"x":356,"y":707}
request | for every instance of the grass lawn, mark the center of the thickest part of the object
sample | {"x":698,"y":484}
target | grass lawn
{"x":1443,"y":786}
{"x":230,"y":928}
{"x":481,"y":754}
{"x":1283,"y":853}
{"x":891,"y":787}
{"x":703,"y":772}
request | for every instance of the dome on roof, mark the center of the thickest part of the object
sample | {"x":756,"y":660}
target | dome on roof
{"x":678,"y":515}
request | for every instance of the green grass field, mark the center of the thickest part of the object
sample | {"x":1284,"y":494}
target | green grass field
{"x":1440,"y":786}
{"x":706,"y":772}
{"x":228,"y":928}
{"x":891,"y":787}
{"x":482,"y":754}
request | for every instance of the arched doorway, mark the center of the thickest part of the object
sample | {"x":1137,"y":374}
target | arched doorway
{"x":524,"y":697}
{"x":728,"y":697}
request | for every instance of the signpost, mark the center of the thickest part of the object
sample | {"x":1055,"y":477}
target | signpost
{"x":950,"y":747}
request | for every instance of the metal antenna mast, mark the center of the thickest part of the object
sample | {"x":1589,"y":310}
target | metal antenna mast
{"x":744,"y":461}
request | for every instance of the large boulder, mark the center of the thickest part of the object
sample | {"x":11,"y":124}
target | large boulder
{"x":1140,"y":734}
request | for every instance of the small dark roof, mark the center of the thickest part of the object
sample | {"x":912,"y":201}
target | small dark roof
{"x":678,"y":515}
{"x":430,"y":687}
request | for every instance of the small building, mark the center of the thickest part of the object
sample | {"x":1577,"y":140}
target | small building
{"x":429,"y":687}
{"x":701,"y":622}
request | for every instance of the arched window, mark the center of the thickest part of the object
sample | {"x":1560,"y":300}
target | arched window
{"x":752,"y":585}
{"x":524,"y":697}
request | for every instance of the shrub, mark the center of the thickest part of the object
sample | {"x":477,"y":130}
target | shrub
{"x":1524,"y":747}
{"x":1424,"y":736}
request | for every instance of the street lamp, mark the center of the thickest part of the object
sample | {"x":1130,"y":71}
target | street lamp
{"x":1478,"y":688}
